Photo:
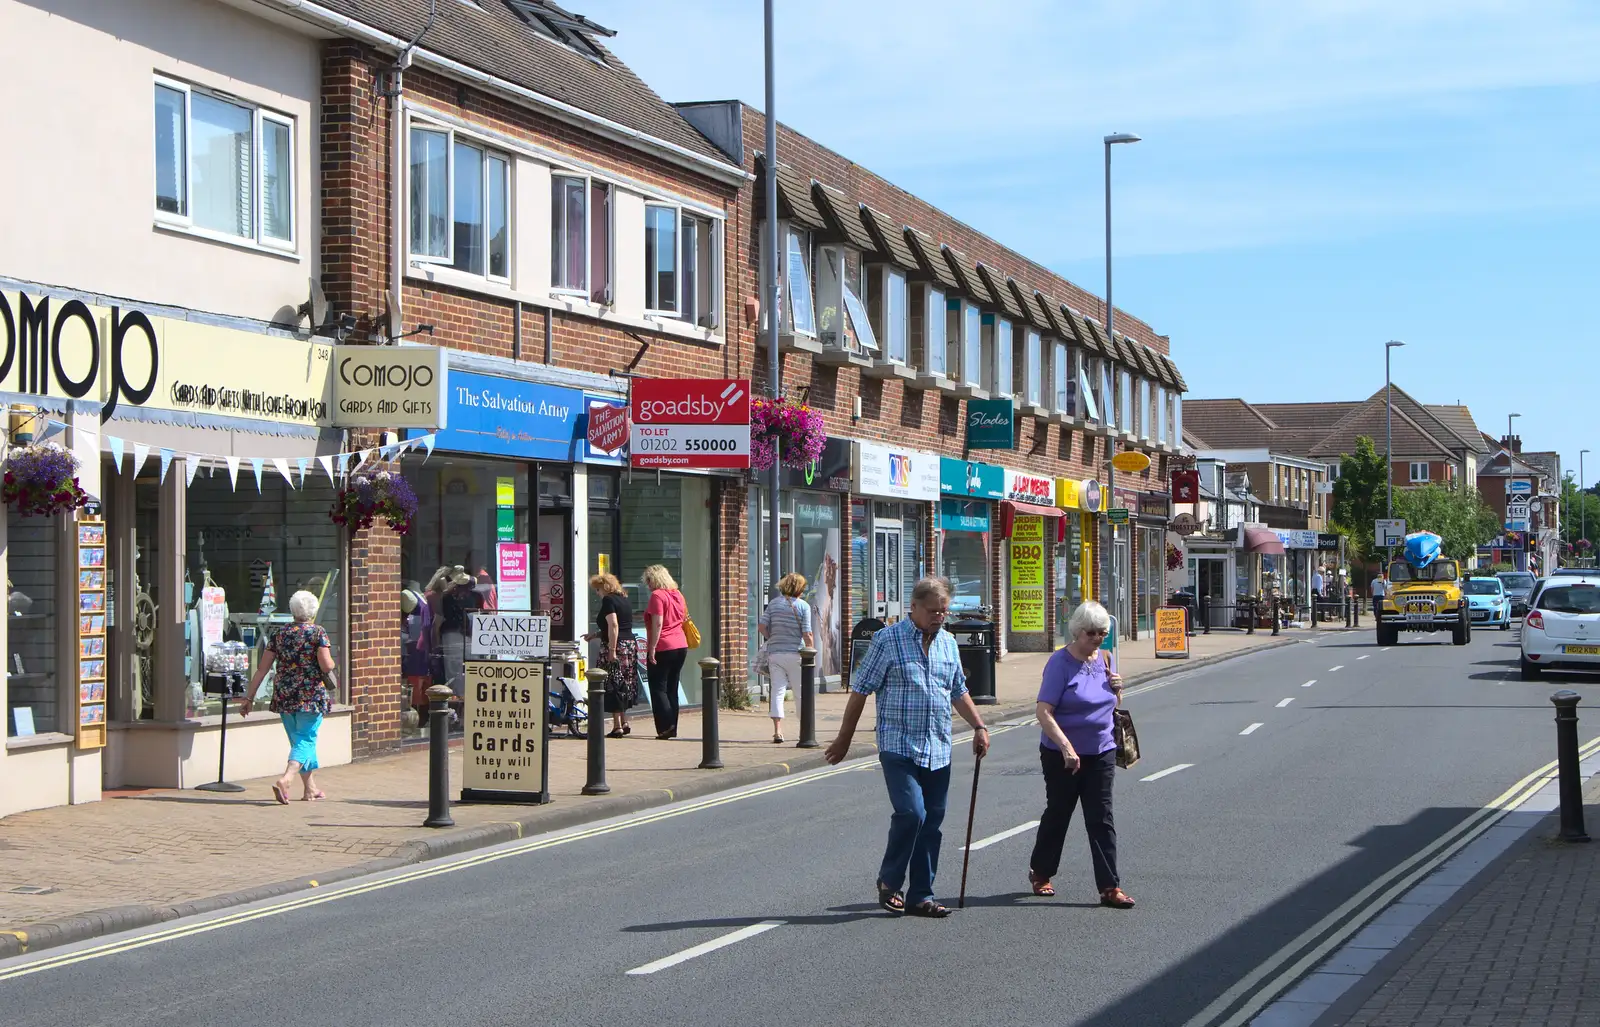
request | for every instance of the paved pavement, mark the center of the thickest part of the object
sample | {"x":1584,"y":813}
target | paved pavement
{"x":80,"y":871}
{"x":1277,"y":790}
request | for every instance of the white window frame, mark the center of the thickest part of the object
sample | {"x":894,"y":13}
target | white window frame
{"x":1003,"y":356}
{"x":786,"y":322}
{"x":587,"y":290}
{"x":1061,"y":374}
{"x":889,"y":282}
{"x":1033,"y":375}
{"x":1142,"y":398}
{"x":490,"y":153}
{"x":712,"y":319}
{"x":935,"y":315}
{"x":1125,"y":408}
{"x":259,"y":116}
{"x":1413,"y":472}
{"x":971,"y":324}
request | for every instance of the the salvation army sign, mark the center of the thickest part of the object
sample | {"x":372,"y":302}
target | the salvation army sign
{"x":608,"y":426}
{"x":690,"y":422}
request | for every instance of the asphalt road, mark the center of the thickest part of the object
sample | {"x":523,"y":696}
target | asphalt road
{"x":1229,"y":858}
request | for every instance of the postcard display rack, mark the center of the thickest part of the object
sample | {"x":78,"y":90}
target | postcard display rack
{"x":90,"y":547}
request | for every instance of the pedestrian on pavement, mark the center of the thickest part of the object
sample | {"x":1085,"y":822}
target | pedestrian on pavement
{"x":914,"y":668}
{"x":416,"y":640}
{"x":1078,"y":751}
{"x":666,"y":647}
{"x":460,"y":601}
{"x":785,"y":625}
{"x":619,"y":651}
{"x":302,"y":655}
{"x":1380,"y":588}
{"x":1316,"y":582}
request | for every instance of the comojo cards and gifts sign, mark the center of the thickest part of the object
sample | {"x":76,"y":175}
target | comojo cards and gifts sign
{"x":690,"y":422}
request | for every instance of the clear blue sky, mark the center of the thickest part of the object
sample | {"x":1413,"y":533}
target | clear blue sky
{"x":1316,"y":176}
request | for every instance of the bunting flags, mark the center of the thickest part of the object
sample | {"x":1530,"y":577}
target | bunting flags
{"x":256,"y":463}
{"x":193,"y":466}
{"x":233,"y":471}
{"x":115,"y":445}
{"x":326,"y":461}
{"x":166,"y":462}
{"x":140,"y":455}
{"x":282,"y":465}
{"x":300,"y":462}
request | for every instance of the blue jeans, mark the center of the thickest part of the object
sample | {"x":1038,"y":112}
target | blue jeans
{"x":918,"y":796}
{"x":302,"y":730}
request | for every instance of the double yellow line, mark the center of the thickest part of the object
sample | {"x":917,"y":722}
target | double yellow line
{"x":1354,"y":914}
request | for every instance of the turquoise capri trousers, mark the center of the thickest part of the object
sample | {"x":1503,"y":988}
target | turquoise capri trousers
{"x":302,"y":729}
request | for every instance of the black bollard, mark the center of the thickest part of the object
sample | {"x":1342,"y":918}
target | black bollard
{"x":710,"y":700}
{"x":1274,"y":614}
{"x":806,"y":701}
{"x":1250,"y":620}
{"x":1570,"y":784}
{"x":439,"y":697}
{"x":596,"y":783}
{"x":1205,"y":615}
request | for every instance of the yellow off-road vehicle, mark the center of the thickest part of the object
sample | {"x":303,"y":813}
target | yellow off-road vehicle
{"x":1424,"y":598}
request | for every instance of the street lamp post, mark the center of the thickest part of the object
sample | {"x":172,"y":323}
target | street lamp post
{"x":1583,"y":509}
{"x":1510,"y":460}
{"x":1108,"y":564}
{"x":1509,"y":430}
{"x":774,"y":364}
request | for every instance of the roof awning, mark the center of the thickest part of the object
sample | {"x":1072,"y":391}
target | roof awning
{"x":890,"y":239}
{"x":1261,"y":540}
{"x":844,"y":216}
{"x":930,"y":260}
{"x":794,"y":196}
{"x":1029,"y":510}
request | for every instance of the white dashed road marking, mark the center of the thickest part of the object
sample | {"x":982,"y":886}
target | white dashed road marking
{"x":732,"y":938}
{"x":1158,"y":775}
{"x":1332,"y":669}
{"x":1251,"y":729}
{"x":1308,"y":684}
{"x":1285,"y":702}
{"x":1003,"y":835}
{"x":1363,"y":657}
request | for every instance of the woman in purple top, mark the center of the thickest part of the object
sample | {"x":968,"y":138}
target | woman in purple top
{"x":1079,"y":754}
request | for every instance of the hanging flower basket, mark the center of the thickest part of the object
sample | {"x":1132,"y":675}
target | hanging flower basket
{"x":370,"y":496}
{"x":42,"y":479}
{"x":783,"y":430}
{"x":1174,"y":557}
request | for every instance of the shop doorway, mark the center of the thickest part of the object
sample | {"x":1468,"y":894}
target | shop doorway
{"x":888,"y":602}
{"x":555,"y":584}
{"x":1122,"y":567}
{"x":1211,"y":582}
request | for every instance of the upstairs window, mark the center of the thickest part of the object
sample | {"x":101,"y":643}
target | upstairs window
{"x":223,"y":167}
{"x":927,"y":316}
{"x":1419,"y":471}
{"x":998,"y":339}
{"x":569,"y":234}
{"x":1125,"y":401}
{"x":966,"y":330}
{"x":682,"y":264}
{"x":887,"y":301}
{"x":460,"y":203}
{"x":1033,"y":376}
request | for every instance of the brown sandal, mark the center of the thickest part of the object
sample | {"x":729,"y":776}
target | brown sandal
{"x":1116,"y":898}
{"x":891,"y":900}
{"x":1041,"y":885}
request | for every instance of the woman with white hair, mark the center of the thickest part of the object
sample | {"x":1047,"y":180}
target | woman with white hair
{"x":1078,"y":751}
{"x":303,"y":658}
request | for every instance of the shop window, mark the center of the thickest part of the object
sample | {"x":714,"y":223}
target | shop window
{"x":460,"y":203}
{"x":238,"y":539}
{"x":35,"y":703}
{"x":668,"y":522}
{"x":965,"y":559}
{"x":223,"y":166}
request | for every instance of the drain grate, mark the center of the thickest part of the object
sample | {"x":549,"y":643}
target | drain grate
{"x":34,"y":889}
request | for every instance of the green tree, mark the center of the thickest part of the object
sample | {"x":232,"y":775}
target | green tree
{"x":1358,"y":498}
{"x":1459,"y":516}
{"x":1580,"y":511}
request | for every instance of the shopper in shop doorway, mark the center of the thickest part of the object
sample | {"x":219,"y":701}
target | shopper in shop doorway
{"x":416,"y":643}
{"x":302,"y":657}
{"x":785,"y":625}
{"x":460,"y":602}
{"x":666,"y":647}
{"x":619,"y":651}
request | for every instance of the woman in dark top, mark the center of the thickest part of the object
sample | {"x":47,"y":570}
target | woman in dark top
{"x":459,"y":602}
{"x":619,"y":651}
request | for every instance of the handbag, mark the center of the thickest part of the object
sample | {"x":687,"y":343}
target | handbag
{"x":1127,"y":738}
{"x":691,"y":634}
{"x":763,"y":657}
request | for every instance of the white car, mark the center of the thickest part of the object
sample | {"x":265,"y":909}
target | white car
{"x":1562,"y":630}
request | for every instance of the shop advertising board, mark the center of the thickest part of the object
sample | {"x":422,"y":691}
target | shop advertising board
{"x":509,"y":636}
{"x":1030,"y":489}
{"x":1172,"y":633}
{"x":896,"y":473}
{"x":503,"y":735}
{"x":509,"y":417}
{"x":971,"y":478}
{"x":512,"y":564}
{"x":91,"y":654}
{"x":991,"y":424}
{"x":1027,"y":574}
{"x":390,"y":386}
{"x":699,"y":423}
{"x":605,"y":431}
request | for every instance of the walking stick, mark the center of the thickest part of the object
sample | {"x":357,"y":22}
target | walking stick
{"x":966,"y":852}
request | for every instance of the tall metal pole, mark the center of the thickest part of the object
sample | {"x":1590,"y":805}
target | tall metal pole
{"x":774,"y":364}
{"x":1110,"y":558}
{"x":1583,"y":509}
{"x":1388,"y":435}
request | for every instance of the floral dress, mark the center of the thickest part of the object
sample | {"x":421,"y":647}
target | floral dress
{"x":297,"y":685}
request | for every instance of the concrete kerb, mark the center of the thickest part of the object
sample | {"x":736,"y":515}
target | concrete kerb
{"x":112,"y":920}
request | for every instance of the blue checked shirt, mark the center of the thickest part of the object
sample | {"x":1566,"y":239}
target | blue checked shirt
{"x":915,"y":691}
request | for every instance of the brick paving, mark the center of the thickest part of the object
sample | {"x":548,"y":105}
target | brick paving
{"x":183,"y":849}
{"x":1522,"y":950}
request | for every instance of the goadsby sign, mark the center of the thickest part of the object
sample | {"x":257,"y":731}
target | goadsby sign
{"x":991,"y":424}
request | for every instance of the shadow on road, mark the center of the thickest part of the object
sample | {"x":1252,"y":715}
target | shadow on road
{"x":1186,"y":988}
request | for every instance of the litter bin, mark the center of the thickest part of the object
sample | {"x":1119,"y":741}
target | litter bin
{"x":861,"y":639}
{"x":977,"y":643}
{"x":1185,"y":601}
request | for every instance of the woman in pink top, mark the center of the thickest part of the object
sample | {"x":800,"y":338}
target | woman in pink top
{"x":665,"y":647}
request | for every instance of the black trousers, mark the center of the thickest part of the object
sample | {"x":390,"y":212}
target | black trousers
{"x":1063,"y":790}
{"x":664,"y":675}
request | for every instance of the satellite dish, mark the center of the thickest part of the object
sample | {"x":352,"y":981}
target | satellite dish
{"x":316,"y":305}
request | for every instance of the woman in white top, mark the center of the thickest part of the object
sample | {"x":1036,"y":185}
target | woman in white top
{"x":785,"y":625}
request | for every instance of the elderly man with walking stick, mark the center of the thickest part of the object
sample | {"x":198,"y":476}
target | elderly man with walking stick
{"x":914,"y":668}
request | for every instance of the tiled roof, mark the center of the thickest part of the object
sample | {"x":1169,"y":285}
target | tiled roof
{"x":1032,"y":311}
{"x":1459,"y":420}
{"x":795,"y":202}
{"x":492,"y":38}
{"x":1001,"y":292}
{"x":843,"y":216}
{"x":930,"y":261}
{"x":1410,"y":439}
{"x":889,"y":238}
{"x":967,"y":275}
{"x":1227,"y":423}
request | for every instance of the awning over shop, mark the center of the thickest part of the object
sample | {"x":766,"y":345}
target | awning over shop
{"x":1029,"y":510}
{"x":1263,"y":540}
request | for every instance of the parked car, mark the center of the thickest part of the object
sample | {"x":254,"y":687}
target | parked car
{"x":1487,"y":602}
{"x":1562,"y":630}
{"x":1517,"y":585}
{"x":1592,"y":576}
